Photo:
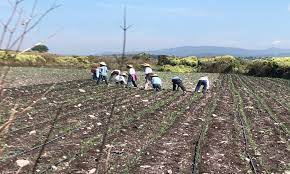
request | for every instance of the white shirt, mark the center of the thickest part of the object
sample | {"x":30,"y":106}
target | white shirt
{"x":120,"y":78}
{"x":206,"y":79}
{"x":148,"y":70}
{"x":98,"y":72}
{"x":132,"y":71}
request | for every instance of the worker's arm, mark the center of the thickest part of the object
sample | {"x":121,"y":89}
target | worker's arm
{"x":124,"y":80}
{"x":207,"y":84}
{"x":97,"y":73}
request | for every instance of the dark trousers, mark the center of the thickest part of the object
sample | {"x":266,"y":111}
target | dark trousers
{"x":131,"y":81}
{"x":101,"y":79}
{"x":94,"y":77}
{"x":201,"y":83}
{"x":156,"y":87}
{"x":177,"y":83}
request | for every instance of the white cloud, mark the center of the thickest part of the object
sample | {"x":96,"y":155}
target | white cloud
{"x":276,"y":42}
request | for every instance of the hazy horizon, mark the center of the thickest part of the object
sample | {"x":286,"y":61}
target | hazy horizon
{"x":93,"y":27}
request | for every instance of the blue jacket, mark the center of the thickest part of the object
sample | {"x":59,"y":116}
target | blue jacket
{"x":103,"y":71}
{"x":156,"y":81}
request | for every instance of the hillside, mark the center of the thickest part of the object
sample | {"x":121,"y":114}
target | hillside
{"x":218,"y":51}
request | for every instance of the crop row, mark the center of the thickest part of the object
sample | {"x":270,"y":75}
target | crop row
{"x":84,"y":125}
{"x":262,"y":131}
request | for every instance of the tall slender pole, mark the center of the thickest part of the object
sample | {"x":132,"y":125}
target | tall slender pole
{"x":124,"y":28}
{"x":125,"y":31}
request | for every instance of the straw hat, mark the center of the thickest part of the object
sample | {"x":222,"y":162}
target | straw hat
{"x":130,"y":66}
{"x":154,"y":75}
{"x":146,"y":65}
{"x":103,"y":63}
{"x":124,"y":74}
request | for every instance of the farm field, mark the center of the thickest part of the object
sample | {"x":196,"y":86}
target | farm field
{"x":242,"y":125}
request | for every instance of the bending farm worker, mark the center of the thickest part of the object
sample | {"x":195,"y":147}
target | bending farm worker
{"x":103,"y":72}
{"x":114,"y":73}
{"x":147,"y":71}
{"x":156,"y":82}
{"x":177,"y":83}
{"x":132,"y":77}
{"x":120,"y":79}
{"x":93,"y":72}
{"x":203,"y":81}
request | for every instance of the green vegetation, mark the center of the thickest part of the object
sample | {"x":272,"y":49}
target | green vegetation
{"x":271,"y":67}
{"x":177,"y":69}
{"x":274,"y":67}
{"x":40,"y":48}
{"x":38,"y":59}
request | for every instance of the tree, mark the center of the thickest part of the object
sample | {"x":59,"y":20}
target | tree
{"x":142,"y":56}
{"x":40,"y":48}
{"x":18,"y":26}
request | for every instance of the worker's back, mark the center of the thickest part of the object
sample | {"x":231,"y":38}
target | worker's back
{"x":204,"y":78}
{"x":156,"y":80}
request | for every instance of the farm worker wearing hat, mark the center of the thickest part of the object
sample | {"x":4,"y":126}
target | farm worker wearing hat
{"x":177,"y":83}
{"x":156,"y":82}
{"x":132,"y":77}
{"x":120,"y":79}
{"x":147,"y":71}
{"x":114,"y":73}
{"x":203,"y":81}
{"x":103,"y":73}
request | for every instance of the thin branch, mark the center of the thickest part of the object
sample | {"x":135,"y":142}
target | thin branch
{"x":104,"y":139}
{"x":129,"y":27}
{"x":12,"y":4}
{"x":26,"y":24}
{"x":46,"y":140}
{"x":12,"y":31}
{"x":28,"y":29}
{"x":39,"y":43}
{"x":14,"y":9}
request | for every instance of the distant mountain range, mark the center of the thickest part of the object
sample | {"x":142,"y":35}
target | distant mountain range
{"x":201,"y":51}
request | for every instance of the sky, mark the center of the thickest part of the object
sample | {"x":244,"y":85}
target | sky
{"x":85,"y":27}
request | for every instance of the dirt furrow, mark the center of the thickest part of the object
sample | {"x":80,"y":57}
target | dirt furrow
{"x":90,"y":141}
{"x":270,"y":144}
{"x":224,"y":133}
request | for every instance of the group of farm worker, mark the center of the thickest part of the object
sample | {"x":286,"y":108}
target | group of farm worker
{"x":100,"y":74}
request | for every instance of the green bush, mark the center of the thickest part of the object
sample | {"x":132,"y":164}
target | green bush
{"x":268,"y":68}
{"x":189,"y":61}
{"x":163,"y":60}
{"x":177,"y":69}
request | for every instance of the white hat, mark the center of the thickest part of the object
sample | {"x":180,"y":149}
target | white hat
{"x":103,"y":63}
{"x":146,"y":65}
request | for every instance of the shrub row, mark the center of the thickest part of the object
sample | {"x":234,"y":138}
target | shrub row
{"x":273,"y":67}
